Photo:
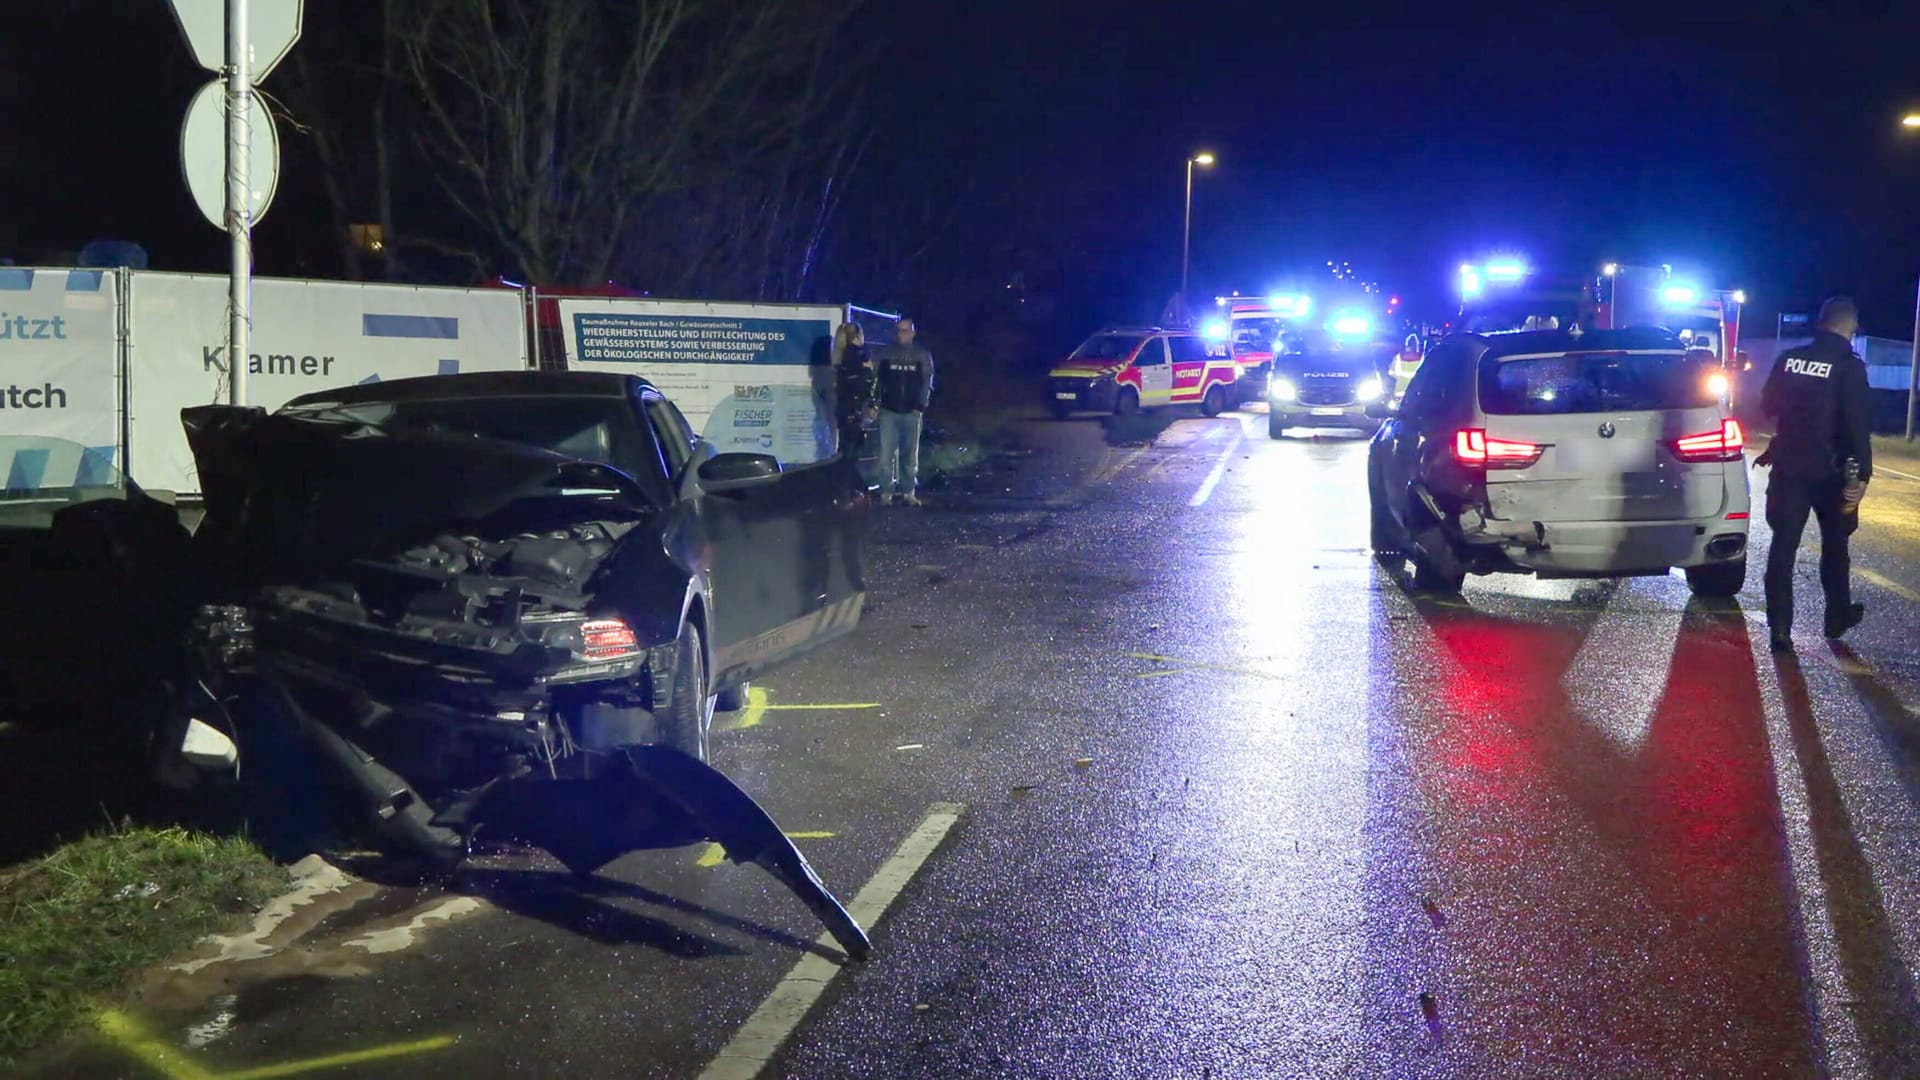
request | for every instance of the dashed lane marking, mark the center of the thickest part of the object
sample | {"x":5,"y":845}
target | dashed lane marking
{"x":760,"y":703}
{"x":1212,"y":481}
{"x":717,"y":854}
{"x":133,"y":1039}
{"x":754,"y":1045}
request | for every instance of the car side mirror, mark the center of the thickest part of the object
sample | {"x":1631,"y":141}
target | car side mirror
{"x":737,"y":472}
{"x":1381,"y":410}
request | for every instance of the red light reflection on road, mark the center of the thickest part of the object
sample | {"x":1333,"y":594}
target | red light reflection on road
{"x":1636,"y":894}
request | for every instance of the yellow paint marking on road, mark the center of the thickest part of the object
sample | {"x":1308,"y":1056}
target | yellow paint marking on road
{"x":137,"y":1042}
{"x":335,"y":1061}
{"x":759,"y":704}
{"x":716,"y":854}
{"x":1888,"y":584}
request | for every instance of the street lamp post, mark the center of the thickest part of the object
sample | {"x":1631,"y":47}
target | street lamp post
{"x":1910,"y":122}
{"x":1186,"y":232}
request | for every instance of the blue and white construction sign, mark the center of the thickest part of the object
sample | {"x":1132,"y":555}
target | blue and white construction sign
{"x":307,"y":336}
{"x":59,"y":378}
{"x":749,"y":377}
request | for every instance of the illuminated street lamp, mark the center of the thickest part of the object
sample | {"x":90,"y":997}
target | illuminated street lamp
{"x":1186,"y":235}
{"x":1911,"y":120}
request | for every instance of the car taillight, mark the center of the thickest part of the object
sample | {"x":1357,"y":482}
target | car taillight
{"x":1474,"y":447}
{"x":1722,"y":445}
{"x":607,"y":639}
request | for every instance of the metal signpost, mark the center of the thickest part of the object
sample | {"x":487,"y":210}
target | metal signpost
{"x":1913,"y":366}
{"x":241,"y":41}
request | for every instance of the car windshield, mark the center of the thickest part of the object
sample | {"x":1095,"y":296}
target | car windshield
{"x":1593,"y":382}
{"x":1108,"y":347}
{"x":597,"y":429}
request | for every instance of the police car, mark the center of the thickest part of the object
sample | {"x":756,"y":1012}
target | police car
{"x":1322,"y":381}
{"x":1609,"y":453}
{"x":1124,"y":370}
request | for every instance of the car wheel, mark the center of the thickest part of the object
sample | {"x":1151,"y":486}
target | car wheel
{"x":1215,"y":402}
{"x":1719,"y":579}
{"x":688,"y":716}
{"x":1128,"y":404}
{"x":731,"y":698}
{"x":1431,"y":579}
{"x":1060,"y":409}
{"x":1277,"y":424}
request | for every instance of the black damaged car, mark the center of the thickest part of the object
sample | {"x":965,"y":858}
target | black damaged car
{"x":512,"y":600}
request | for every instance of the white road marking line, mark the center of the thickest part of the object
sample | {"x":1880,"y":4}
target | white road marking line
{"x":1888,"y":584}
{"x":1212,"y":481}
{"x":754,"y":1045}
{"x":1896,"y":472}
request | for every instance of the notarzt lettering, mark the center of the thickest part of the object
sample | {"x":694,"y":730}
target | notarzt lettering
{"x":1815,"y":368}
{"x":214,"y":358}
{"x":21,"y":328}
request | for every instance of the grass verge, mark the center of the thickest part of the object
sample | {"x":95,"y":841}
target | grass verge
{"x":77,"y":923}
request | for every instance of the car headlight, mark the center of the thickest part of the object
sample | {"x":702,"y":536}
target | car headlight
{"x":1284,"y":390}
{"x":1371,"y":388}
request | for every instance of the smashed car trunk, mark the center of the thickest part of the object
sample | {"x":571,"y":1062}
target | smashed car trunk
{"x":421,"y":609}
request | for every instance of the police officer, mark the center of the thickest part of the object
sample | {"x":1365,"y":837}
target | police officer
{"x":906,"y":386}
{"x":1822,"y":456}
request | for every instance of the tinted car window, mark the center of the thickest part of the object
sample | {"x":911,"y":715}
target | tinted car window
{"x":1187,"y":350}
{"x":1426,"y":393}
{"x":1593,"y":382}
{"x":1152,"y":353}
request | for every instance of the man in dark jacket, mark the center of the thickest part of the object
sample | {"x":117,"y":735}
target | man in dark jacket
{"x":905,"y":369}
{"x":1818,"y":396}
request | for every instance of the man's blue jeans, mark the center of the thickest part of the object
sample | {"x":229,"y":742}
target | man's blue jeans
{"x":899,"y":439}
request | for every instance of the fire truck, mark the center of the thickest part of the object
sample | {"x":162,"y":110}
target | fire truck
{"x":1251,"y":328}
{"x":1654,"y":296}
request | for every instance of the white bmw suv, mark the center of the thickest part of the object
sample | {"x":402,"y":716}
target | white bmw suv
{"x":1609,"y":453}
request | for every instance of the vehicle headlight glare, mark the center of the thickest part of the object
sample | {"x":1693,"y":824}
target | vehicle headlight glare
{"x":1371,"y":388}
{"x":1284,"y":390}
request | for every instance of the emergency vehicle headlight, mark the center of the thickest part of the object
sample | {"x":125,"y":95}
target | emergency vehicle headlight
{"x":1371,"y":388}
{"x":1284,"y":390}
{"x":1351,"y":325}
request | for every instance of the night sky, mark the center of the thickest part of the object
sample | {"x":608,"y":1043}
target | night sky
{"x":1762,"y":144}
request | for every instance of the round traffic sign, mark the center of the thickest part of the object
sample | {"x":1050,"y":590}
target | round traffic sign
{"x":203,"y":153}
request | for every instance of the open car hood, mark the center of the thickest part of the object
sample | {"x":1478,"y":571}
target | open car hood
{"x":289,"y":495}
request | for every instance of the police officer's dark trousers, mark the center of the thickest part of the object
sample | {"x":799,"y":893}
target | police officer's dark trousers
{"x":1789,"y":500}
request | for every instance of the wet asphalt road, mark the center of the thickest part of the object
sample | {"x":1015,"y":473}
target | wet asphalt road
{"x":1237,"y":804}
